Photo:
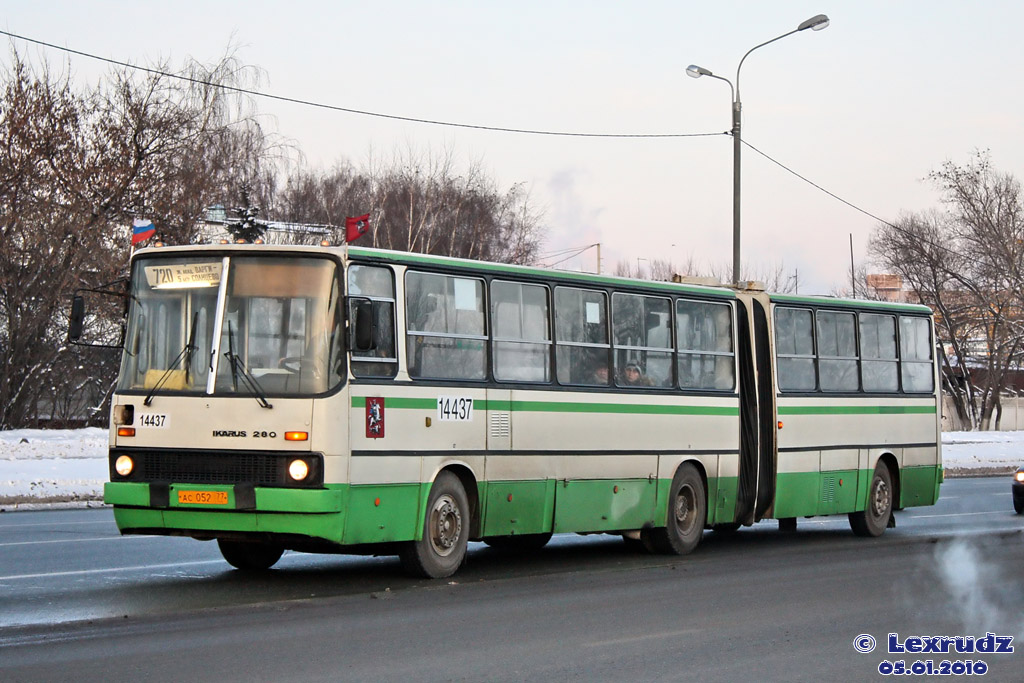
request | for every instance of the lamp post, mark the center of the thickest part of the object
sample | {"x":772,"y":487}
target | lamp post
{"x":815,"y":23}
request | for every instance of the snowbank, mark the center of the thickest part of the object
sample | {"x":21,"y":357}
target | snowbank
{"x":52,"y":466}
{"x":981,"y":453}
{"x":69,"y":466}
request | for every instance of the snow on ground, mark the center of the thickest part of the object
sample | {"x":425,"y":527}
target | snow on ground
{"x":52,"y":466}
{"x":969,"y":453}
{"x":69,"y":466}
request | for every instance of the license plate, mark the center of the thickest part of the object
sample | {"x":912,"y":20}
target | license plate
{"x":203,"y":497}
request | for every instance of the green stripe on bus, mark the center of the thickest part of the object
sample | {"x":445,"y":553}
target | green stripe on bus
{"x":856,"y":410}
{"x":621,"y":408}
{"x":558,"y":407}
{"x":850,"y":303}
{"x":512,"y":269}
{"x":404,"y":403}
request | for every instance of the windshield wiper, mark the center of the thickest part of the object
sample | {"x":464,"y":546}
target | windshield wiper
{"x":238,"y":369}
{"x":186,"y":354}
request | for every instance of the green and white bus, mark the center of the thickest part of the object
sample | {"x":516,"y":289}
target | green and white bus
{"x":351,"y":400}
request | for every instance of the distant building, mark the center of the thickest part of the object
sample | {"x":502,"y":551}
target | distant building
{"x":888,"y":287}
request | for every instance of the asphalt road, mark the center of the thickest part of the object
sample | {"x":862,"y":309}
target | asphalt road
{"x":79,"y":602}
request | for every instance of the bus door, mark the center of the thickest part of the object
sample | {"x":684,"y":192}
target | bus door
{"x":755,"y":494}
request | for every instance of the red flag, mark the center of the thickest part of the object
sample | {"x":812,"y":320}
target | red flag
{"x":356,"y":227}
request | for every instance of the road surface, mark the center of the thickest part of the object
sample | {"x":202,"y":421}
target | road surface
{"x":79,"y":602}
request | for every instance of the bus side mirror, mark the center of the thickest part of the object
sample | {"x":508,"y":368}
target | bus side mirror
{"x":77,"y":320}
{"x":102,"y":315}
{"x":364,"y":331}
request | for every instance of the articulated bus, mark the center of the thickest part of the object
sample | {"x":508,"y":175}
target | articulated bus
{"x":352,"y":400}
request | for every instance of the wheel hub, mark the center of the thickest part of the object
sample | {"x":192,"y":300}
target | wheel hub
{"x":445,"y":525}
{"x":685,"y":508}
{"x":880,"y":499}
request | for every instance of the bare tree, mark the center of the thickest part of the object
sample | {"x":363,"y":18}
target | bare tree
{"x":50,"y":225}
{"x":966,"y":263}
{"x":419,"y":203}
{"x":774,"y":276}
{"x":76,"y":167}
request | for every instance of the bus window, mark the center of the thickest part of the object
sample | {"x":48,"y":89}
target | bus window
{"x":581,"y":336}
{"x":916,"y":355}
{"x":446,"y":326}
{"x":281,"y":320}
{"x":794,"y":347}
{"x":837,"y":351}
{"x":522,"y":333}
{"x":704,"y":336}
{"x":643,"y":340}
{"x":878,"y":352}
{"x":377,"y":285}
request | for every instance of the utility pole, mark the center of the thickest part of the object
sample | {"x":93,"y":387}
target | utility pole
{"x":815,"y":23}
{"x":853,"y":276}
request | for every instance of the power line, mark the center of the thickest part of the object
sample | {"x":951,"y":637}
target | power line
{"x":817,"y":186}
{"x":559,"y":252}
{"x":411,"y":119}
{"x":348,"y":110}
{"x":573,"y":255}
{"x":901,"y":230}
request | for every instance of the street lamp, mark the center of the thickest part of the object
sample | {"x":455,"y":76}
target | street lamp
{"x":815,"y":23}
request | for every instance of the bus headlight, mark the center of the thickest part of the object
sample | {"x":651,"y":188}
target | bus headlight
{"x":298,"y":469}
{"x":124,"y":465}
{"x":1019,"y":476}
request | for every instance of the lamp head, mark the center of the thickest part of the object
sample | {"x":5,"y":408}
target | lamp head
{"x":815,"y":23}
{"x":694,"y":71}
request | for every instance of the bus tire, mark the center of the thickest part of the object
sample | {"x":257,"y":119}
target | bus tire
{"x":442,"y":549}
{"x":523,"y":543}
{"x":250,"y":556}
{"x":687,"y":513}
{"x":726,"y":528}
{"x":873,"y":520}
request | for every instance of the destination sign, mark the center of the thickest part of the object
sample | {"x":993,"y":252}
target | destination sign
{"x":183,"y":275}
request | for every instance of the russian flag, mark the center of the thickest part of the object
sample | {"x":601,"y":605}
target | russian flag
{"x":142,"y":230}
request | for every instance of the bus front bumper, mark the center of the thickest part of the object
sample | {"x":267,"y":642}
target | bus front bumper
{"x":197,"y":510}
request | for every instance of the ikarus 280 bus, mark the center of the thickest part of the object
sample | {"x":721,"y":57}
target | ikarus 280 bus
{"x":333,"y":399}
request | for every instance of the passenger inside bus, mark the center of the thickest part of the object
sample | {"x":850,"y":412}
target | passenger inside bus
{"x":632,"y":377}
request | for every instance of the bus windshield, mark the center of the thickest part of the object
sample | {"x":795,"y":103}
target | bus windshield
{"x":233,"y":325}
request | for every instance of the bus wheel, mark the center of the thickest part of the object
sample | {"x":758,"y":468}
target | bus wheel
{"x":524,"y":543}
{"x":726,"y":528}
{"x":442,"y":548}
{"x":872,"y":522}
{"x":687,"y":512}
{"x":250,"y":556}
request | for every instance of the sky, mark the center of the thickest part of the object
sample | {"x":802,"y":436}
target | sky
{"x":865,"y":108}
